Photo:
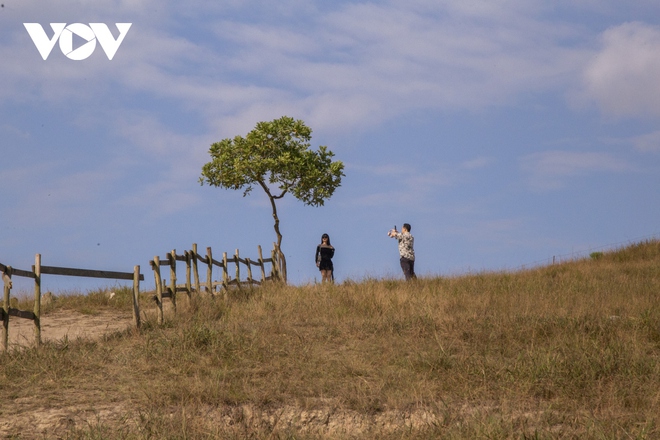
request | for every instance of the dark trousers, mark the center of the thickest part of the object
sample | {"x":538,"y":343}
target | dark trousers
{"x":408,"y":267}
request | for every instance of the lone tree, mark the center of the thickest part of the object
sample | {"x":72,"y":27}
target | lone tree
{"x":276,"y":156}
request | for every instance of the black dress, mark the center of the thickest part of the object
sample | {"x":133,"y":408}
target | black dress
{"x":324,"y":254}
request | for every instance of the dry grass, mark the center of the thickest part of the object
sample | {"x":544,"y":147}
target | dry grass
{"x":565,"y":351}
{"x":91,"y":302}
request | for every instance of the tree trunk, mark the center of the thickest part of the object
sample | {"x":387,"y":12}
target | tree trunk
{"x":281,"y":258}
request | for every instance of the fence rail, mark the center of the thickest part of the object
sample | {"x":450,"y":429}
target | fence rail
{"x":52,"y":270}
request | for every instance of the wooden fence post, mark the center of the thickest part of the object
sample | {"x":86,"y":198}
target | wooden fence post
{"x":249,"y":271}
{"x":6,"y":277}
{"x":272,"y":265}
{"x":225,"y":274}
{"x":261,"y":265}
{"x":172,"y":258}
{"x":37,"y":300}
{"x":209,"y":271}
{"x":275,"y":270}
{"x":238,"y":270}
{"x":281,"y":263}
{"x":136,"y":297}
{"x":195,"y":269}
{"x":159,"y":289}
{"x":188,"y":280}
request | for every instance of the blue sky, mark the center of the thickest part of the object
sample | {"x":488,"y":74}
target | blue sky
{"x":505,"y":132}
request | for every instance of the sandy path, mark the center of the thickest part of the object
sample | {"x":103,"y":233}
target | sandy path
{"x":57,"y":325}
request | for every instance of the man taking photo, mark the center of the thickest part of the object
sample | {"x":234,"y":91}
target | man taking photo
{"x":406,"y":250}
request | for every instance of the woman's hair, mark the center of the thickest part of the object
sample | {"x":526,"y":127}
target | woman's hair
{"x":325,"y":236}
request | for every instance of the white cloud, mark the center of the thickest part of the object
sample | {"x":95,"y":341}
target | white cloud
{"x":363,"y":63}
{"x":551,"y":169}
{"x":56,"y":197}
{"x":159,"y":141}
{"x":386,"y":169}
{"x":477,"y":163}
{"x":623,"y":77}
{"x":429,"y":182}
{"x":161,"y":198}
{"x":649,"y":142}
{"x":382,"y":199}
{"x":356,"y":65}
{"x":391,"y":184}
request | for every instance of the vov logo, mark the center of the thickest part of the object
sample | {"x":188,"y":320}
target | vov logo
{"x":89,"y":35}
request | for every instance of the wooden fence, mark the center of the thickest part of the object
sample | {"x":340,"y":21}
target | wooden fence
{"x":192,"y":282}
{"x":37,"y":271}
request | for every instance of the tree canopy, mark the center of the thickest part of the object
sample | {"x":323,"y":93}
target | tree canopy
{"x":276,"y":156}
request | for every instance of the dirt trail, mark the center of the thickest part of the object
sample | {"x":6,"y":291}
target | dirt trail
{"x":62,"y":324}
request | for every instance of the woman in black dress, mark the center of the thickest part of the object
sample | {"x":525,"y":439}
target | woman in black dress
{"x":324,"y":254}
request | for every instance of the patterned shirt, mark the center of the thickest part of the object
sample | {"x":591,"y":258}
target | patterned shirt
{"x":406,"y":243}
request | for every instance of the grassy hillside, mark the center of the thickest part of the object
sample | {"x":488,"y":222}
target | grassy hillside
{"x":565,"y":351}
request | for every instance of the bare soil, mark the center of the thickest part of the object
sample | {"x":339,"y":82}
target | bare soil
{"x":62,"y":324}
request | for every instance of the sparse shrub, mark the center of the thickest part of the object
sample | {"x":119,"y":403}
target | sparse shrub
{"x":596,"y":255}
